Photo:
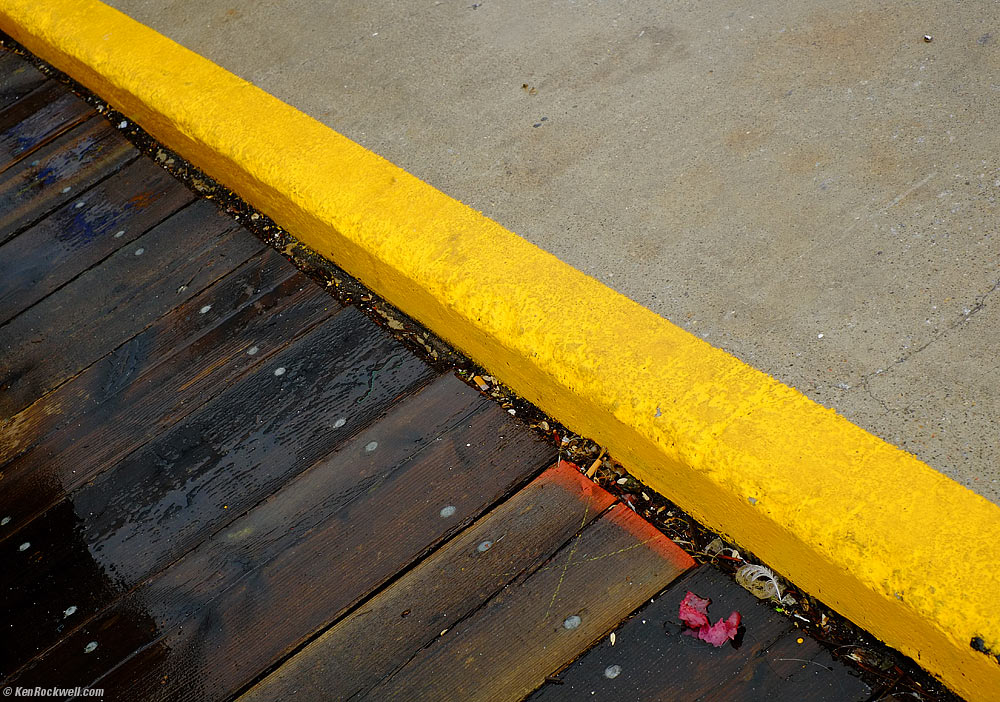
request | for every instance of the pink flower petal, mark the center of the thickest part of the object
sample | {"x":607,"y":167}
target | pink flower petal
{"x":694,"y":610}
{"x":722,"y":631}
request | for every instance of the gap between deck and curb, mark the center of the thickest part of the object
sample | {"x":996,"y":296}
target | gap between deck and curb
{"x":887,"y":541}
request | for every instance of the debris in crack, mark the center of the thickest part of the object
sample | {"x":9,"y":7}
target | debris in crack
{"x":762,"y":583}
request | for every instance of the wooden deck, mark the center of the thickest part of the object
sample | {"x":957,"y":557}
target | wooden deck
{"x":217,"y":482}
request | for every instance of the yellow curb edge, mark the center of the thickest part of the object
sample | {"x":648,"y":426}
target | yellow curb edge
{"x":890,"y":543}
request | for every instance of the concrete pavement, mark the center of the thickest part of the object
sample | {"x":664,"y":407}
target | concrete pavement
{"x":811,"y":189}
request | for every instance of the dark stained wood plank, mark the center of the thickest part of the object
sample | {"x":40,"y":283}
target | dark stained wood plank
{"x":384,"y":633}
{"x":57,"y":411}
{"x":656,"y":661}
{"x":128,"y":398}
{"x":200,"y":475}
{"x":109,"y":304}
{"x":17,"y":78}
{"x":58,"y":172}
{"x":792,"y":669}
{"x":36,"y":119}
{"x":506,"y":649}
{"x":215,"y":619}
{"x":84,"y":231}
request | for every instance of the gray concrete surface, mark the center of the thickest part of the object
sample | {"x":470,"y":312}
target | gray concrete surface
{"x":810,"y":186}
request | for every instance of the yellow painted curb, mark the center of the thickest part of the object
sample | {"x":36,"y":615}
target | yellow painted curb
{"x":903,"y":551}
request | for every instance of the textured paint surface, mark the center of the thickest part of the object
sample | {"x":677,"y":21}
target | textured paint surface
{"x":903,"y":551}
{"x":808,"y":186}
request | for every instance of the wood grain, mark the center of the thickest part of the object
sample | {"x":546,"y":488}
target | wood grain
{"x":156,"y":344}
{"x":84,"y":231}
{"x":253,"y":592}
{"x":36,"y":119}
{"x":508,"y":647}
{"x":382,"y":635}
{"x":200,"y":475}
{"x":106,"y":306}
{"x":58,"y":172}
{"x":790,"y":671}
{"x":17,"y":78}
{"x":128,"y":398}
{"x":656,"y":661}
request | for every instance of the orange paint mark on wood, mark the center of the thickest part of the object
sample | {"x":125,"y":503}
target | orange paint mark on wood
{"x":649,"y":536}
{"x":568,"y":476}
{"x":144,"y":200}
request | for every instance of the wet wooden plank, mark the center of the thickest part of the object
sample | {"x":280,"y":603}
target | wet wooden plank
{"x":131,"y":396}
{"x":168,"y":335}
{"x":793,"y":668}
{"x":84,"y":231}
{"x":36,"y":119}
{"x":217,"y":618}
{"x":109,"y":304}
{"x":656,"y":661}
{"x":383,"y":634}
{"x":17,"y":78}
{"x":58,"y":172}
{"x":191,"y":481}
{"x":506,"y":649}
